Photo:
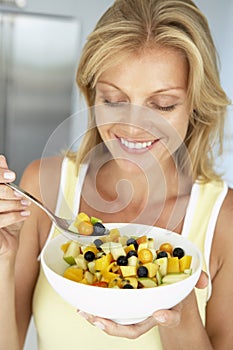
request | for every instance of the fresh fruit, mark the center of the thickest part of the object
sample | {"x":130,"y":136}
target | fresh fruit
{"x":128,"y":271}
{"x":127,"y":286}
{"x":185,"y":262}
{"x":72,"y":251}
{"x":132,"y":253}
{"x":103,"y":262}
{"x":123,"y":262}
{"x":162,"y":254}
{"x":87,"y":225}
{"x":98,"y":229}
{"x":81,"y":217}
{"x":147,"y":282}
{"x":141,"y":239}
{"x":94,"y":220}
{"x":162,"y":262}
{"x":179,"y":252}
{"x":74,"y":274}
{"x":89,"y":255}
{"x":173,"y":265}
{"x":85,"y":228}
{"x":142,"y":271}
{"x":166,"y":247}
{"x":145,"y":255}
{"x":152,"y":269}
{"x":117,"y":250}
{"x":176,"y":277}
{"x":132,"y":241}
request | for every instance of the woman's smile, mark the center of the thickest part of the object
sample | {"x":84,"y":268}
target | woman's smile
{"x":136,"y":146}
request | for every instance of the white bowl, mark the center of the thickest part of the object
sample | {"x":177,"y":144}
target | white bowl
{"x":125,"y":306}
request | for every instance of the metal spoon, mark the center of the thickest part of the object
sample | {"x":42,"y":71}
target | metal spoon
{"x":62,"y":224}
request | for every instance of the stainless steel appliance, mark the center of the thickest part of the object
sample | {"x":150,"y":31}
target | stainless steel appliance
{"x":38,"y":57}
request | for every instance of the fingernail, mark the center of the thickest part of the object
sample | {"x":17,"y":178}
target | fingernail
{"x":25,"y":213}
{"x":25,"y":202}
{"x":99,"y":325}
{"x":160,"y":318}
{"x":17,"y":194}
{"x":9,"y":175}
{"x":83,"y":314}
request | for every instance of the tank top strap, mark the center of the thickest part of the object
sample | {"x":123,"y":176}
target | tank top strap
{"x":201,"y":217}
{"x":69,"y":195}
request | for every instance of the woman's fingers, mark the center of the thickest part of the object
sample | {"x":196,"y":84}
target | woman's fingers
{"x":13,"y":208}
{"x":6,"y":175}
{"x":166,"y":318}
{"x":13,"y":218}
{"x":8,"y":193}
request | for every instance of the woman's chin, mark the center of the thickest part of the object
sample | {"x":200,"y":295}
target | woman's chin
{"x":130,"y":167}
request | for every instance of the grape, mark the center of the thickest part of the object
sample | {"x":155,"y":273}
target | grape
{"x":122,"y":260}
{"x":142,"y":271}
{"x":98,"y":229}
{"x":178,"y":252}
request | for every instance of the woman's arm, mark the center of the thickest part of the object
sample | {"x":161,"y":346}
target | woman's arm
{"x":12,"y":213}
{"x":219,"y":322}
{"x":40,"y":178}
{"x":19,"y":248}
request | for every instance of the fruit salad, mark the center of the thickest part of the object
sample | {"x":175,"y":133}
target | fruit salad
{"x":87,"y":225}
{"x":125,"y":262}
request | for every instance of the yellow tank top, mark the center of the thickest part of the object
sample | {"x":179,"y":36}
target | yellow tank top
{"x":58,"y":324}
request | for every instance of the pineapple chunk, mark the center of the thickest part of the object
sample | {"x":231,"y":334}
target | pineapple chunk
{"x":152,"y":269}
{"x":128,"y":271}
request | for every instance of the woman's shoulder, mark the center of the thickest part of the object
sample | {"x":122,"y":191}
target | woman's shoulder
{"x":41,"y":178}
{"x":227,"y":207}
{"x":224,"y":227}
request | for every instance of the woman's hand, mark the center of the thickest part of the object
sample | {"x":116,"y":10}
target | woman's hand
{"x":13,"y":211}
{"x":165,"y":318}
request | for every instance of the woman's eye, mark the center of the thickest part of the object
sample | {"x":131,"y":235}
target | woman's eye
{"x":162,"y":108}
{"x":114,"y":103}
{"x":166,"y":108}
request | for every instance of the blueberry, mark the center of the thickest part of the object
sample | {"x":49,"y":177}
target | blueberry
{"x":132,"y":241}
{"x":131,"y":253}
{"x":127,"y":286}
{"x":98,"y":242}
{"x":122,"y":260}
{"x":89,"y":255}
{"x":178,"y":252}
{"x":162,"y":255}
{"x":142,"y":271}
{"x":98,"y":229}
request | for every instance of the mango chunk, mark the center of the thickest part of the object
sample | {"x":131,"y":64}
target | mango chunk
{"x":173,"y":265}
{"x":185,"y":262}
{"x":103,"y":262}
{"x":74,"y":273}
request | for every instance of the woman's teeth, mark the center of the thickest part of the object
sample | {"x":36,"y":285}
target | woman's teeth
{"x":135,"y":145}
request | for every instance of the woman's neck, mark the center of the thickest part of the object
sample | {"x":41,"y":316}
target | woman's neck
{"x":154,"y":196}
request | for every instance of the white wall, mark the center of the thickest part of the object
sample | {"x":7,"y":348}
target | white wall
{"x":220,"y":14}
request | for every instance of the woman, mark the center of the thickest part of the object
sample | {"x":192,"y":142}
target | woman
{"x":149,"y":75}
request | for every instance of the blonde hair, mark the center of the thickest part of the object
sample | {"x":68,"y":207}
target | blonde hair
{"x":130,"y":26}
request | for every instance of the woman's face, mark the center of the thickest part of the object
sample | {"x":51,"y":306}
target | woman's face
{"x":141,"y":107}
